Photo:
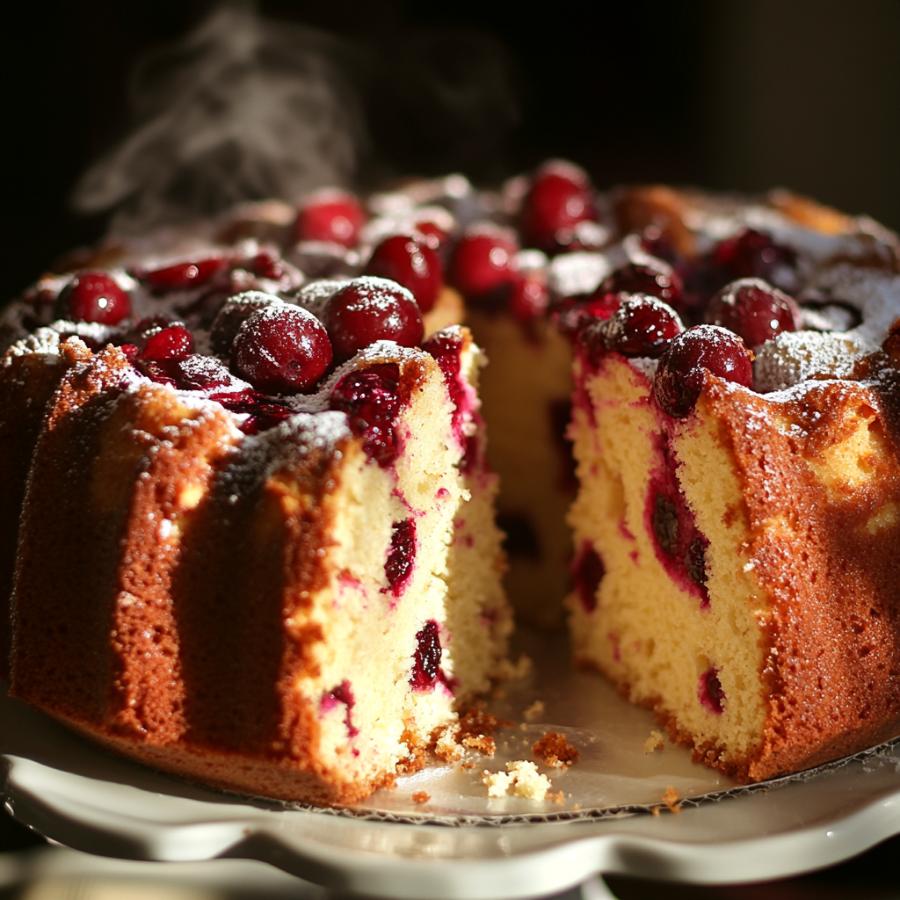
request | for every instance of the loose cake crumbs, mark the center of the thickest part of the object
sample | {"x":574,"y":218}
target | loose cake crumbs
{"x":446,"y":747}
{"x":482,"y":743}
{"x":555,"y":750}
{"x":521,"y":779}
{"x":515,"y":671}
{"x":671,"y":800}
{"x":656,"y":741}
{"x":477,"y":721}
{"x":556,"y":797}
{"x":421,"y":797}
{"x":534,"y":712}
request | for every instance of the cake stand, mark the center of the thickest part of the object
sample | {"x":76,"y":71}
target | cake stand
{"x":611,"y":818}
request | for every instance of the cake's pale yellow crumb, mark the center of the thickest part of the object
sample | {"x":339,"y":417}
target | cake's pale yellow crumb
{"x":446,"y":747}
{"x":521,"y":779}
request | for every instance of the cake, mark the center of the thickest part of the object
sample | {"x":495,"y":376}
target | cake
{"x":694,"y":409}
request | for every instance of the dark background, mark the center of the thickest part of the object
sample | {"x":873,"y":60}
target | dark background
{"x":741,"y":95}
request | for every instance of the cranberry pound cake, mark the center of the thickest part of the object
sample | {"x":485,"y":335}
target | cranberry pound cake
{"x":257,"y":543}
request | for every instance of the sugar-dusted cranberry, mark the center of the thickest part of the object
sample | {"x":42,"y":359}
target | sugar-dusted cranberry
{"x":640,"y":278}
{"x":753,"y":254}
{"x":572,"y":313}
{"x":131,"y":351}
{"x":641,"y":326}
{"x":196,"y":372}
{"x":261,"y":412}
{"x":559,"y":198}
{"x":482,"y":262}
{"x":171,"y":342}
{"x":679,"y":376}
{"x":371,"y":398}
{"x":411,"y":263}
{"x":754,"y":310}
{"x":372,"y":309}
{"x":587,"y":573}
{"x":265,"y":264}
{"x":282,"y":349}
{"x":182,"y":276}
{"x":401,"y":558}
{"x":709,"y":691}
{"x":94,"y":297}
{"x":330,"y":216}
{"x":427,"y":658}
{"x":232,"y":314}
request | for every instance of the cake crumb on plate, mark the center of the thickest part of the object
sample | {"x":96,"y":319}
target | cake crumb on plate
{"x":534,"y":712}
{"x":656,"y":741}
{"x":554,"y":750}
{"x":420,"y":797}
{"x":521,"y":779}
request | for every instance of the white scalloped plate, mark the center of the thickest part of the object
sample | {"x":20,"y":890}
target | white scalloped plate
{"x":83,"y":797}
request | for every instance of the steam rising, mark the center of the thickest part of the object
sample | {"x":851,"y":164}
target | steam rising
{"x":245,"y":108}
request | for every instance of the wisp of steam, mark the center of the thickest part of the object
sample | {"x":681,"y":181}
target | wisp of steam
{"x":246,"y":108}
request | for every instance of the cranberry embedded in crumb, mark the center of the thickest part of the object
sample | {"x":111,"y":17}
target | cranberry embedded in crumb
{"x":641,"y":326}
{"x":558,"y":199}
{"x":411,"y":263}
{"x":282,"y":349}
{"x":754,"y":310}
{"x":171,"y":342}
{"x":333,"y":217}
{"x":94,"y":297}
{"x":182,"y":276}
{"x":401,"y":556}
{"x":679,"y":376}
{"x":638,"y":278}
{"x":427,"y":658}
{"x":482,"y":263}
{"x":372,"y":309}
{"x":709,"y":691}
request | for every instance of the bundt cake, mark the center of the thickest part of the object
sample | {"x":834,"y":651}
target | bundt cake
{"x":257,"y":449}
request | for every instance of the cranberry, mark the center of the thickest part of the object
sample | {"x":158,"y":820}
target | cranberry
{"x":753,"y":310}
{"x":528,"y":297}
{"x":432,"y":234}
{"x":343,"y":693}
{"x":94,"y":297}
{"x":637,"y":278}
{"x":371,"y":399}
{"x":641,"y":326}
{"x":427,"y":659}
{"x":573,"y":313}
{"x":679,"y":377}
{"x":282,"y":349}
{"x":331,"y":216}
{"x":261,"y":412}
{"x":172,"y":342}
{"x":753,"y":254}
{"x":232,"y":314}
{"x":369,"y":310}
{"x":411,"y":263}
{"x":587,"y":573}
{"x":679,"y":541}
{"x":709,"y":691}
{"x":182,"y":276}
{"x":265,"y":265}
{"x":482,"y":262}
{"x":559,"y":198}
{"x":401,"y":556}
{"x":201,"y":373}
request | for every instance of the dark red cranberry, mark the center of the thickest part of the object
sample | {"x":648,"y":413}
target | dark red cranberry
{"x":529,"y":297}
{"x":130,"y":350}
{"x":172,"y":342}
{"x":369,"y":310}
{"x":753,"y":254}
{"x":94,"y":297}
{"x":432,"y":234}
{"x":182,"y":276}
{"x":265,"y":265}
{"x":371,"y":398}
{"x":641,"y":326}
{"x":143,"y":328}
{"x":333,"y":217}
{"x":681,"y":543}
{"x":401,"y":556}
{"x":411,"y":263}
{"x":427,"y":659}
{"x":709,"y":691}
{"x":343,"y":693}
{"x":587,"y":573}
{"x":232,"y":314}
{"x":573,"y":313}
{"x":482,"y":263}
{"x":753,"y":310}
{"x":655,"y":242}
{"x":201,"y":373}
{"x":679,"y":376}
{"x":282,"y":349}
{"x":638,"y":278}
{"x":558,"y":199}
{"x":262,"y":412}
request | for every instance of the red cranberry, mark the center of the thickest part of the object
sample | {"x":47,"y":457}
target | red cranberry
{"x":343,"y":693}
{"x":94,"y":297}
{"x":574,"y":312}
{"x":587,"y":573}
{"x":710,"y":693}
{"x":182,"y":276}
{"x":432,"y":234}
{"x":529,"y":297}
{"x":232,"y":314}
{"x":637,"y":278}
{"x":559,"y":198}
{"x":369,"y":310}
{"x":332,"y":216}
{"x":201,"y":373}
{"x":411,"y":263}
{"x":679,"y":377}
{"x":752,"y":254}
{"x":172,"y":342}
{"x":401,"y":556}
{"x":371,"y":399}
{"x":641,"y":326}
{"x":261,"y":412}
{"x":753,"y":310}
{"x":282,"y":349}
{"x":427,"y":659}
{"x":482,"y":263}
{"x":265,"y":265}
